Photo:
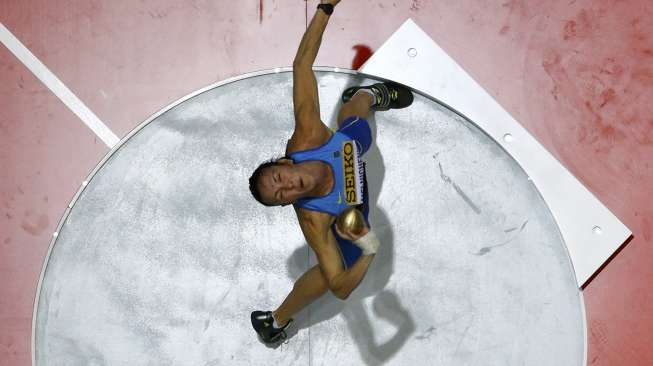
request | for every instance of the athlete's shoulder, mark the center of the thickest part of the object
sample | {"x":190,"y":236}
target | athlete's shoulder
{"x":301,"y":141}
{"x":313,"y":220}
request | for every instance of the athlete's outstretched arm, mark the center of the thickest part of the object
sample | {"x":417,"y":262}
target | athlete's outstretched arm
{"x":312,"y":39}
{"x":305,"y":95}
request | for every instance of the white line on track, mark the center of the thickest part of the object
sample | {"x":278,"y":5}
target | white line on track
{"x":57,"y":87}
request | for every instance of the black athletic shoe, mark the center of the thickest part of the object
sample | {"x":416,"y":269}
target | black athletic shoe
{"x":262,"y":321}
{"x":387,"y":95}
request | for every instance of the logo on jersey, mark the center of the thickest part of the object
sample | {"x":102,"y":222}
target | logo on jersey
{"x":352,"y":170}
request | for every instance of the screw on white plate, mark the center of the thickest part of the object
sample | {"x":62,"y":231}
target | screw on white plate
{"x":412,"y":52}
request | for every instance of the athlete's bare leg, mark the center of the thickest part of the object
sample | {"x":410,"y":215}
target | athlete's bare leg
{"x":310,"y":286}
{"x":358,"y":106}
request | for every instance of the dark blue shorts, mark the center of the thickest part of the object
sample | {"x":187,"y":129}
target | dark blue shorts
{"x":359,"y":130}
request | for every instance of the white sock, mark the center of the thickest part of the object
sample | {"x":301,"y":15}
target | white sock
{"x":274,"y":323}
{"x":368,"y":91}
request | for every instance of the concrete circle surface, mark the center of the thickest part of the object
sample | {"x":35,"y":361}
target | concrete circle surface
{"x":165,"y":254}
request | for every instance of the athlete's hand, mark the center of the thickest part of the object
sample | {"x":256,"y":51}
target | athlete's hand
{"x":350,"y":235}
{"x":332,"y":2}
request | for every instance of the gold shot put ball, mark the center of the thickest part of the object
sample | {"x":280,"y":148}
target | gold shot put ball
{"x":351,"y":220}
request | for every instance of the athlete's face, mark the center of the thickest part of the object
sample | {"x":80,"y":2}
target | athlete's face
{"x":283,"y":184}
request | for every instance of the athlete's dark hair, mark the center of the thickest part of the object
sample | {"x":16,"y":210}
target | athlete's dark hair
{"x":254,"y":180}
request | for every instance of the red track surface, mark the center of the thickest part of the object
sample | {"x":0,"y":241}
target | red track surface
{"x":577,"y":74}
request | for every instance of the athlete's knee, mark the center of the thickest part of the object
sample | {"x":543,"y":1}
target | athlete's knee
{"x":339,"y":293}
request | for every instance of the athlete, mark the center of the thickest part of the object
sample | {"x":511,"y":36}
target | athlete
{"x":321,"y":175}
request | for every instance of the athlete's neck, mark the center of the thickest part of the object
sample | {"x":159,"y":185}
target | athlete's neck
{"x":322,"y":177}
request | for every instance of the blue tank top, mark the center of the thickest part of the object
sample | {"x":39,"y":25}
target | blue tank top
{"x":343,"y":154}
